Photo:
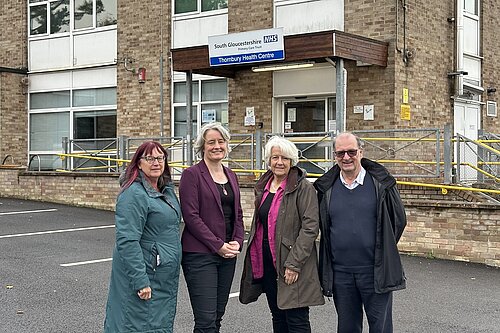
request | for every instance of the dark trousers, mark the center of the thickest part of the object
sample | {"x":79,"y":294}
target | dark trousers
{"x":352,"y":292}
{"x":284,"y":321}
{"x":208,"y":278}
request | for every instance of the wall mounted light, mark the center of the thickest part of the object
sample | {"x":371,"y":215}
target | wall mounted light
{"x":491,"y":90}
{"x":283,"y":66}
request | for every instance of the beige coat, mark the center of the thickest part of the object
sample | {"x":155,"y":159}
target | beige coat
{"x":297,"y":228}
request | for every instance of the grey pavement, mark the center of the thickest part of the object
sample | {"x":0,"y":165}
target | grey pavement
{"x":55,"y":266}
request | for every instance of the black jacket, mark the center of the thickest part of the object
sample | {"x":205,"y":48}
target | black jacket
{"x":391,"y":221}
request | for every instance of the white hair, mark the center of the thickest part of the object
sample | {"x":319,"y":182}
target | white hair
{"x":288,"y":149}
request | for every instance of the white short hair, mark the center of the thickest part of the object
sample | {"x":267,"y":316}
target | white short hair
{"x":288,"y":149}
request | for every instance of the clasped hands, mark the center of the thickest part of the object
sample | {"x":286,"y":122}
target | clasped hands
{"x":229,"y":250}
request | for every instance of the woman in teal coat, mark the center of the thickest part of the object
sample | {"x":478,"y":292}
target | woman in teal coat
{"x":146,"y":259}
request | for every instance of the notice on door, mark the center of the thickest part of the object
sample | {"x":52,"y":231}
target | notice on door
{"x":292,"y":115}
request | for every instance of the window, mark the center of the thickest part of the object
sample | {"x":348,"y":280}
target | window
{"x":53,"y":16}
{"x":213,"y":105}
{"x":76,"y":114}
{"x":92,"y":97}
{"x":94,"y":124}
{"x":59,"y":16}
{"x":471,"y":7}
{"x":491,"y":109}
{"x":50,"y":100}
{"x":189,"y":6}
{"x":47,"y":130}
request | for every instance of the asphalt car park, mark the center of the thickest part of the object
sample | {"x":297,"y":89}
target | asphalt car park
{"x":55,"y":263}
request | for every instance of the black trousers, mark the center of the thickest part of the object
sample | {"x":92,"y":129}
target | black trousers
{"x":294,"y":320}
{"x":352,"y":292}
{"x":208,"y":278}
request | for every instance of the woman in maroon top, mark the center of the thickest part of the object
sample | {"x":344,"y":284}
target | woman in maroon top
{"x":213,"y":234}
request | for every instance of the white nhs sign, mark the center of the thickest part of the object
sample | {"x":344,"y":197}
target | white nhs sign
{"x":270,"y":38}
{"x":246,"y":47}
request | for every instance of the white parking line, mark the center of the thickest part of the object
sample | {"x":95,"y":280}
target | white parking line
{"x":234,"y":294}
{"x":85,"y":262}
{"x":29,"y":211}
{"x":57,"y":231}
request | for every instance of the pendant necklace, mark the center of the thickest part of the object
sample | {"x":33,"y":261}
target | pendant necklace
{"x":223,"y":188}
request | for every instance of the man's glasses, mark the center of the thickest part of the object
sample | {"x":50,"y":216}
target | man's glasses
{"x":151,"y":159}
{"x":350,"y":152}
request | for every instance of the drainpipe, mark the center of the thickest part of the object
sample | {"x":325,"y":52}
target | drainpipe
{"x":459,"y":40}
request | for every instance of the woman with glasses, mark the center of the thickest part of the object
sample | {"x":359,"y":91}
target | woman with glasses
{"x":281,"y":259}
{"x":146,"y":259}
{"x":213,"y":234}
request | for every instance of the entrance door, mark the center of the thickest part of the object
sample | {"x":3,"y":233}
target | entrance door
{"x":308,"y":117}
{"x":467,"y":123}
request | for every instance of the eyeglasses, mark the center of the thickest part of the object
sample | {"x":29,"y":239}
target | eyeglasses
{"x":350,"y":152}
{"x":151,"y":159}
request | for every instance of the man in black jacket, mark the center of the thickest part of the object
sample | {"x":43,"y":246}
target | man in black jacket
{"x":362,"y":219}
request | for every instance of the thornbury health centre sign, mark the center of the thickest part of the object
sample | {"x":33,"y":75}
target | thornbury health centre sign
{"x":246,"y":47}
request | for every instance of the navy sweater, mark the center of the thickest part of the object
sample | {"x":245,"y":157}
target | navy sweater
{"x":352,"y":233}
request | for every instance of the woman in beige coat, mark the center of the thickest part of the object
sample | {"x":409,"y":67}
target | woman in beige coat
{"x":281,"y":258}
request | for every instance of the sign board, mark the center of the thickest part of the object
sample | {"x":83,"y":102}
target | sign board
{"x":405,"y":112}
{"x":208,"y":116}
{"x":246,"y":47}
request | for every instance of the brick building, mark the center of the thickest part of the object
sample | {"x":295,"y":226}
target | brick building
{"x":69,"y":68}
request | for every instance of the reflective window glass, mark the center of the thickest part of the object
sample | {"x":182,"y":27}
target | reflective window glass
{"x":92,"y":97}
{"x":38,"y":20}
{"x":185,"y":6}
{"x":207,"y":5}
{"x":106,"y":12}
{"x":47,"y":130}
{"x":83,"y":14}
{"x":59,"y":16}
{"x":46,"y":100}
{"x":213,"y":90}
{"x":180,"y":92}
{"x":471,"y":6}
{"x":180,"y":122}
{"x":94,"y":124}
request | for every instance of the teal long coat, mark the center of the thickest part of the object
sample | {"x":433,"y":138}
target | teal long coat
{"x":147,"y":253}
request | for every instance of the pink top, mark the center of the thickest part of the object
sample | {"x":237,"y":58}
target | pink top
{"x":256,"y":256}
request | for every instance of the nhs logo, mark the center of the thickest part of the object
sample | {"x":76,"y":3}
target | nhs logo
{"x":270,"y":38}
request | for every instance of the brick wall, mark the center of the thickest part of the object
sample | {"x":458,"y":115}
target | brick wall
{"x":139,"y":37}
{"x":491,"y":63}
{"x":438,"y":226}
{"x":13,"y":115}
{"x":465,"y":232}
{"x":425,"y":75}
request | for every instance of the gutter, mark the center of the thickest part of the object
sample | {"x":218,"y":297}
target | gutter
{"x":23,"y":71}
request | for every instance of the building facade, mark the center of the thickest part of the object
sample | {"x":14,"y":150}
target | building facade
{"x":90,"y":69}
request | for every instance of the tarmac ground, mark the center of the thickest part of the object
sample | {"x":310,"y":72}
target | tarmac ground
{"x":55,"y":264}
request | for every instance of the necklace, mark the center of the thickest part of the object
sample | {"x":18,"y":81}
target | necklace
{"x":223,"y":188}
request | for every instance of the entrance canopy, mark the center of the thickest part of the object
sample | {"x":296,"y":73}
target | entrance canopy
{"x":316,"y":46}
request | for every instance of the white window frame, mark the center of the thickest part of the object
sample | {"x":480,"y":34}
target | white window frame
{"x":198,"y":12}
{"x":197,"y":105}
{"x":491,"y":109}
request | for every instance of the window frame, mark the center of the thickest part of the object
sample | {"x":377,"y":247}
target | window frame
{"x":198,"y":105}
{"x":198,"y":10}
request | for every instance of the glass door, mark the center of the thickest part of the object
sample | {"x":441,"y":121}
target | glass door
{"x":307,"y":120}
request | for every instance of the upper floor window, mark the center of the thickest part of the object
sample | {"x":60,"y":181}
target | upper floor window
{"x":54,"y":16}
{"x":196,"y":6}
{"x":471,"y":7}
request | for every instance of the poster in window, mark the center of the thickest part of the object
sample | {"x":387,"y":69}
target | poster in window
{"x":208,"y":116}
